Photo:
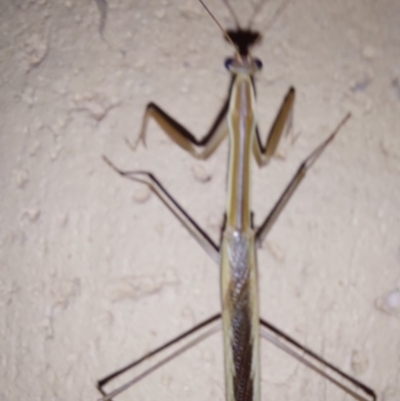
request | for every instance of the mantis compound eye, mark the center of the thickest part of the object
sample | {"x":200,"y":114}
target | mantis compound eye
{"x":229,"y":62}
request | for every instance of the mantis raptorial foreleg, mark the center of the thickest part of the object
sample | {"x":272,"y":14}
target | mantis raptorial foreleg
{"x":206,"y":146}
{"x":282,"y":123}
{"x":199,"y":149}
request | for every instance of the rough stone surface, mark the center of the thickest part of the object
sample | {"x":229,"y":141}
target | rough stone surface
{"x":91,"y":278}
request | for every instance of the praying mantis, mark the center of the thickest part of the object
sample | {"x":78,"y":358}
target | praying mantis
{"x":236,"y":253}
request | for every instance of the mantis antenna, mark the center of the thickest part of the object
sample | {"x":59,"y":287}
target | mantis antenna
{"x":222,"y":29}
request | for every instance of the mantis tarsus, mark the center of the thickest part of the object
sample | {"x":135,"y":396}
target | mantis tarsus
{"x":236,"y":253}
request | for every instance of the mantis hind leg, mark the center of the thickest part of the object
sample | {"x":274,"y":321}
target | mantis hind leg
{"x":212,"y":324}
{"x":350,"y":385}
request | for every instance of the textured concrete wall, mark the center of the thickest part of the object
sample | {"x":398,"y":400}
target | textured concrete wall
{"x":94,"y":271}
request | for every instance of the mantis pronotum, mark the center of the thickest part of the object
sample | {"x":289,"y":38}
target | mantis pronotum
{"x":236,"y":253}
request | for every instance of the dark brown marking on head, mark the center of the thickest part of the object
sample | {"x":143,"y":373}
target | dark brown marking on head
{"x":244,"y":39}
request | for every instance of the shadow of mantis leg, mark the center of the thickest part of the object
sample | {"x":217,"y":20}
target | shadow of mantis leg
{"x":282,"y":123}
{"x":263,"y":230}
{"x":199,"y":149}
{"x":155,"y":186}
{"x":213,"y":321}
{"x":319,"y":365}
